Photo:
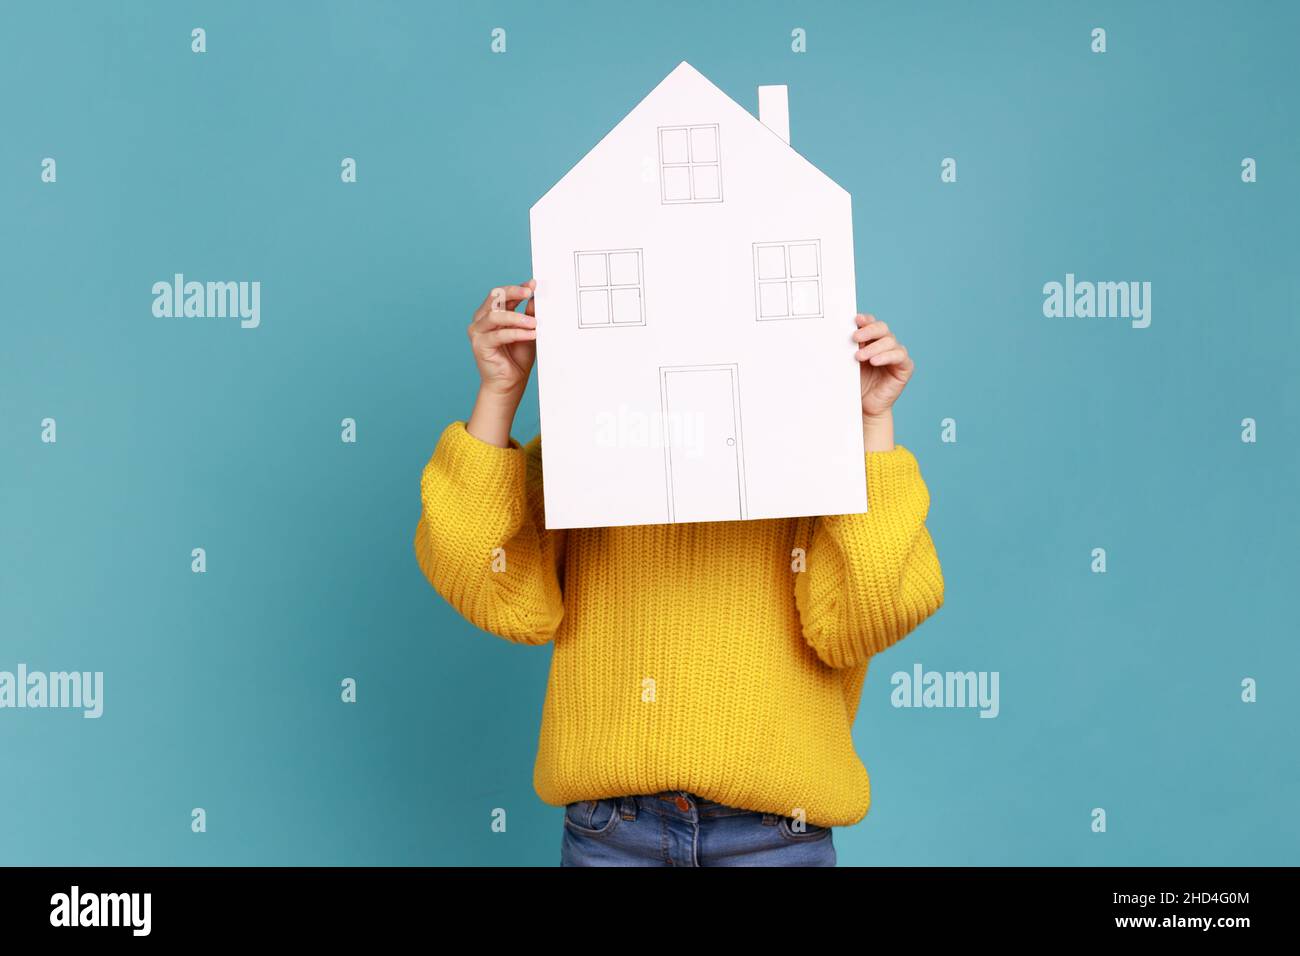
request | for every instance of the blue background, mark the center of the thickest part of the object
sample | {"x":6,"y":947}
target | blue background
{"x":1119,"y":691}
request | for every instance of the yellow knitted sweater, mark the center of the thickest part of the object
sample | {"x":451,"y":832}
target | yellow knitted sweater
{"x":722,"y":658}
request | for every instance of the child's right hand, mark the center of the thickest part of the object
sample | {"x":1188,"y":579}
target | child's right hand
{"x":504,"y":341}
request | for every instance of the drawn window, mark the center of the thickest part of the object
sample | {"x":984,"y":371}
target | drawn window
{"x":690,"y":167}
{"x":788,"y":279}
{"x":611,"y":288}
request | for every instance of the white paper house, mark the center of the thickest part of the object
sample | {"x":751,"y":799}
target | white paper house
{"x":695,"y":302}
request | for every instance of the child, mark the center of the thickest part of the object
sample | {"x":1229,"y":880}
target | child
{"x":705,"y":676}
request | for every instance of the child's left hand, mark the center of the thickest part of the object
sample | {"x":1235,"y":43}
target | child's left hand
{"x":885,"y":366}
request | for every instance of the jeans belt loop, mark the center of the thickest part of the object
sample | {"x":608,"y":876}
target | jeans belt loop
{"x":627,"y":807}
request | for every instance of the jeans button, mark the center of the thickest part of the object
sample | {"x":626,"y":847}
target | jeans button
{"x":682,"y":803}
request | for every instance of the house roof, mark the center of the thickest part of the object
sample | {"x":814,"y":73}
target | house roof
{"x":686,"y":75}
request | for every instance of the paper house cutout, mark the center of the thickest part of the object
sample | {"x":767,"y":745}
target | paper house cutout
{"x":695,"y":302}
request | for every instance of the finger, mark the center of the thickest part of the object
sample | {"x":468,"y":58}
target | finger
{"x":892,"y":357}
{"x":870,"y":331}
{"x":500,"y":319}
{"x":864,"y":318}
{"x":498,"y":297}
{"x":878,"y":346}
{"x":509,"y":293}
{"x":505,"y":318}
{"x":531,"y":308}
{"x":498,"y":337}
{"x":525,"y":290}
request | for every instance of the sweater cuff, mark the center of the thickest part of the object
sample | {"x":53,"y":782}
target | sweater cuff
{"x":470,"y":461}
{"x":891,"y":475}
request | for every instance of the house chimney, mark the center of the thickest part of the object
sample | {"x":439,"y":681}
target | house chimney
{"x":774,"y":111}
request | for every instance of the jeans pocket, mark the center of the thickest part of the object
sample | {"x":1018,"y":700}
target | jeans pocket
{"x":593,"y":818}
{"x":811,"y":831}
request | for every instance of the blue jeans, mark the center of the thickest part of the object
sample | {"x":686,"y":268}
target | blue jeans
{"x":679,"y":828}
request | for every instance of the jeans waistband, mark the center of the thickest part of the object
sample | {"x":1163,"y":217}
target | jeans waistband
{"x":682,"y":804}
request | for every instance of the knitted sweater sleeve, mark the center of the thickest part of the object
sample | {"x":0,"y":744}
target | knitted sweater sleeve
{"x":871,"y":578}
{"x":481,"y":538}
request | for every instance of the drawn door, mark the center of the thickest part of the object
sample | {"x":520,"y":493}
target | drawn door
{"x":703,"y":458}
